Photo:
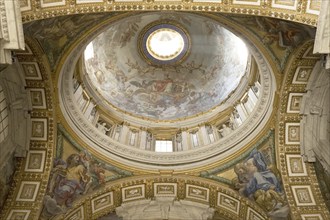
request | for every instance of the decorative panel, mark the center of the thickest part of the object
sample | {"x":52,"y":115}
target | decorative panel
{"x":31,"y":70}
{"x":285,"y":4}
{"x":292,"y":133}
{"x":311,"y":217}
{"x":253,"y":215}
{"x":302,"y":74}
{"x":102,"y":202}
{"x":303,"y":195}
{"x":25,"y":5}
{"x":76,"y":214}
{"x":19,"y":214}
{"x":198,"y":193}
{"x":87,"y":1}
{"x":296,"y":165}
{"x":294,"y":102}
{"x":208,"y":1}
{"x":165,"y":189}
{"x":28,"y":191}
{"x":246,"y":2}
{"x":35,"y":161}
{"x":313,"y":6}
{"x":133,"y":193}
{"x":38,"y":98}
{"x":228,"y":202}
{"x":39,"y":129}
{"x":51,"y":3}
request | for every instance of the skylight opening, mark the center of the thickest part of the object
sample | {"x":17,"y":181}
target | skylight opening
{"x":164,"y":146}
{"x":165,"y":44}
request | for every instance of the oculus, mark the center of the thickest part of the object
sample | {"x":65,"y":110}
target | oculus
{"x":164,"y":43}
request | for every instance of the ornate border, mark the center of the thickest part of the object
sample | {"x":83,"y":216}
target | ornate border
{"x":45,"y":144}
{"x":290,"y":181}
{"x":148,"y":183}
{"x":303,"y":13}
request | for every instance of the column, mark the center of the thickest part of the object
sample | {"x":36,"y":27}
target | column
{"x":241,"y":112}
{"x":184,"y":140}
{"x":123,"y":134}
{"x":178,"y":142}
{"x":248,"y":104}
{"x":210,"y":133}
{"x":117,"y":131}
{"x":205,"y":137}
{"x":253,"y":97}
{"x":235,"y":119}
{"x":143,"y":139}
{"x":89,"y":110}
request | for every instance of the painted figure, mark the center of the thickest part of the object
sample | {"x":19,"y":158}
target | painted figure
{"x":73,"y":183}
{"x":257,"y":181}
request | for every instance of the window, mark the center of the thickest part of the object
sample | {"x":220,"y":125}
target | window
{"x":3,"y":116}
{"x":164,"y":146}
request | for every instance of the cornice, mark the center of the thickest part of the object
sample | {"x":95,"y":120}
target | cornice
{"x":301,"y":11}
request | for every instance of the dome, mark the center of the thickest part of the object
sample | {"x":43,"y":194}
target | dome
{"x":196,"y":103}
{"x":155,"y":67}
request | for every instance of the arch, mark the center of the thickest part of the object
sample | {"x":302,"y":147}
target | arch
{"x":298,"y":176}
{"x":223,"y":199}
{"x":34,"y":163}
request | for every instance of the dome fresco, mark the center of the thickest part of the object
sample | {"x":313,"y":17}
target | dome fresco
{"x":126,"y":80}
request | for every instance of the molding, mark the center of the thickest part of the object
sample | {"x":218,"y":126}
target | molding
{"x":147,"y":184}
{"x":300,"y":182}
{"x":259,"y":8}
